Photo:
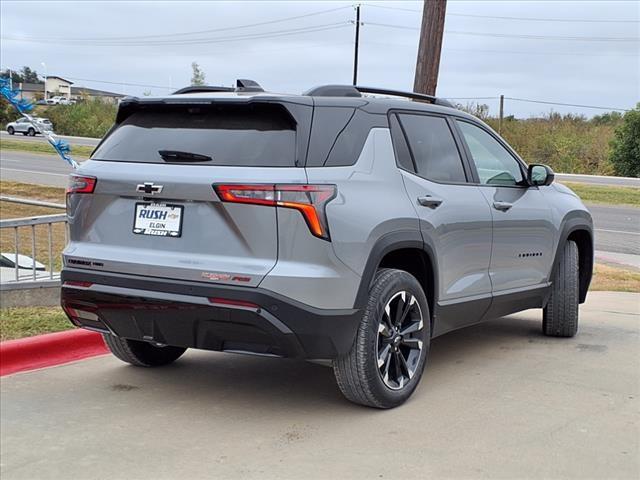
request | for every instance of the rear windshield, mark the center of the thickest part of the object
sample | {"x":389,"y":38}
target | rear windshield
{"x":249,"y":135}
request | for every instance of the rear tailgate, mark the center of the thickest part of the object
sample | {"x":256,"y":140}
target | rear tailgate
{"x":161,"y":217}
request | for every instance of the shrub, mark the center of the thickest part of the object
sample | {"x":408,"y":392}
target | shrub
{"x":84,"y":119}
{"x":625,"y":146}
{"x":7,"y":113}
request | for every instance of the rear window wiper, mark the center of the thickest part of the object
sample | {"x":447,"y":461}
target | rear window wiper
{"x":178,"y":156}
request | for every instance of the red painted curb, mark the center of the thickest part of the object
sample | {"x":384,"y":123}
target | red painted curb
{"x":48,"y":350}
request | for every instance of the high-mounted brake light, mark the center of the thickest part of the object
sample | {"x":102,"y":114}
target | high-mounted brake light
{"x":81,"y":184}
{"x":310,"y":200}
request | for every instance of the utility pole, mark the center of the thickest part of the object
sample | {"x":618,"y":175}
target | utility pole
{"x":357,"y":44}
{"x":428,"y":62}
{"x":501,"y":114}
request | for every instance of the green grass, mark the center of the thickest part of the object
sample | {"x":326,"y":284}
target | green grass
{"x":605,"y":194}
{"x":28,"y":321}
{"x":81,"y":151}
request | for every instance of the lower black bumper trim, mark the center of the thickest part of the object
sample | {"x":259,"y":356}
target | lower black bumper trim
{"x":176,"y":312}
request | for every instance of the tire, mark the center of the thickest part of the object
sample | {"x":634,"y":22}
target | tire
{"x":11,"y":131}
{"x":31,"y":132}
{"x":141,"y":354}
{"x":360,"y":376}
{"x":560,"y":316}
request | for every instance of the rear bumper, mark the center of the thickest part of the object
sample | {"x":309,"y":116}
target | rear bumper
{"x":196,"y":315}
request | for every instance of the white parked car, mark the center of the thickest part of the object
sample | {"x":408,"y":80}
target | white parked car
{"x":25,"y":268}
{"x":60,"y":100}
{"x":24,"y":126}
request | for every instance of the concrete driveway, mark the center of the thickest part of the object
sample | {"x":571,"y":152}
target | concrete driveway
{"x":498,"y":400}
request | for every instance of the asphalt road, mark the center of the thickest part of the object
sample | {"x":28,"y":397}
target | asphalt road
{"x":498,"y":400}
{"x":617,"y":228}
{"x":91,"y":142}
{"x":34,"y":168}
{"x":598,"y":180}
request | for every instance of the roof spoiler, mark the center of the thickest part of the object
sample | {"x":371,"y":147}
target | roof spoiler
{"x":242,"y":85}
{"x":357,"y":91}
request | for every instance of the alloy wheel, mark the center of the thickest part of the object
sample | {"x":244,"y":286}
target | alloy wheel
{"x":399,"y":347}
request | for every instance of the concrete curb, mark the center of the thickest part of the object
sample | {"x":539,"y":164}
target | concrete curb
{"x":48,"y":350}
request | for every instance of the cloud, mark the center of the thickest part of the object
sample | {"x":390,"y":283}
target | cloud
{"x":586,"y":72}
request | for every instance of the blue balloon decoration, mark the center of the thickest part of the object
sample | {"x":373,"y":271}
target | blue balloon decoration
{"x":24,"y":106}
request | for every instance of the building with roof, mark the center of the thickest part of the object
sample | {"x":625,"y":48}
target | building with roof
{"x":58,"y":86}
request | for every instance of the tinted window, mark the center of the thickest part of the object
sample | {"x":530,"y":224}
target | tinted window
{"x":494,"y":163}
{"x":258,"y":135}
{"x":348,"y":146}
{"x":433,"y":148}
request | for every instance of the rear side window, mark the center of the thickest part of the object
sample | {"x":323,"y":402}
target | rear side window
{"x":248,"y":136}
{"x":433,"y":148}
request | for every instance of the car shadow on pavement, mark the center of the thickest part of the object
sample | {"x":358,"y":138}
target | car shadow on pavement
{"x":283,"y":384}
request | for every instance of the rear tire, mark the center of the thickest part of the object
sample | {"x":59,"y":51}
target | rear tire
{"x":560,"y":316}
{"x":31,"y":132}
{"x":142,"y":354}
{"x":388,"y":356}
{"x":11,"y":131}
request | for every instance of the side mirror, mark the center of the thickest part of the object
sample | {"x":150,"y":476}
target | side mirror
{"x":540,"y":175}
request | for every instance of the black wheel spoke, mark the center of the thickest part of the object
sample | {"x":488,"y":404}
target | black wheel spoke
{"x":405,"y":310}
{"x":398,"y":368}
{"x":413,"y":343}
{"x":384,"y":355}
{"x":400,"y":305}
{"x":414,"y":327}
{"x":384,"y":329}
{"x":404,"y":365}
{"x":385,"y":367}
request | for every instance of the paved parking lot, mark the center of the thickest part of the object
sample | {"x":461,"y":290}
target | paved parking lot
{"x":498,"y":400}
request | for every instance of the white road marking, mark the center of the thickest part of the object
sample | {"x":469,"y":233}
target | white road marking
{"x":616,"y":231}
{"x":34,"y":171}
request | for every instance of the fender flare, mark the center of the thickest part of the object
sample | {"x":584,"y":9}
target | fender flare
{"x":388,"y":243}
{"x":575,"y":221}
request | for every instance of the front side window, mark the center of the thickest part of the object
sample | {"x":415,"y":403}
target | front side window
{"x":433,"y":148}
{"x":495,"y":165}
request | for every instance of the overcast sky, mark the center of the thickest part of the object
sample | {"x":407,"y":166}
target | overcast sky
{"x":594,"y":61}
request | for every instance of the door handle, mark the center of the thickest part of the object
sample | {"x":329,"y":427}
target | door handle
{"x":502,"y":206}
{"x":429,"y":201}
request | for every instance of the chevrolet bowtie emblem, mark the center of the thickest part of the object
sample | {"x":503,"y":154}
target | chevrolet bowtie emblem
{"x":149,"y":188}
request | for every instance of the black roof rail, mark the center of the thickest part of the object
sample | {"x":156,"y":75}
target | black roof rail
{"x":411,"y":95}
{"x":242,"y":85}
{"x":203,"y":89}
{"x":333,"y":91}
{"x":357,"y":91}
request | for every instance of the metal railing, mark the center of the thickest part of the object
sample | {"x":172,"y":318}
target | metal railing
{"x":30,"y":223}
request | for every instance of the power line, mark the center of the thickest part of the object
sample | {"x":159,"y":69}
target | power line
{"x":177,"y":34}
{"x":565,"y":104}
{"x":532,"y":19}
{"x":201,"y":41}
{"x":509,"y":35}
{"x":403,"y":45}
{"x":118,"y":83}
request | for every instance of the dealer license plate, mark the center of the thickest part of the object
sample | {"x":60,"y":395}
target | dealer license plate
{"x":159,"y":219}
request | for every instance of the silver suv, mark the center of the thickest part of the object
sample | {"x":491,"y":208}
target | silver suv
{"x":333,"y":225}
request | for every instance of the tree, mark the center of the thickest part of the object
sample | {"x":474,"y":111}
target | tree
{"x":625,"y":146}
{"x":198,"y":77}
{"x":25,"y":75}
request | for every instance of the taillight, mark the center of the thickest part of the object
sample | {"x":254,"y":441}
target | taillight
{"x":310,"y":200}
{"x":81,"y":184}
